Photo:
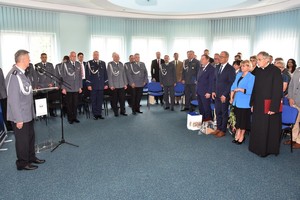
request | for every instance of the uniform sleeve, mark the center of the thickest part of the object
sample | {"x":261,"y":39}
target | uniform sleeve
{"x":88,"y":74}
{"x":128,"y":74}
{"x":105,"y":75}
{"x":14,"y":99}
{"x":109,"y":76}
{"x":124,"y":76}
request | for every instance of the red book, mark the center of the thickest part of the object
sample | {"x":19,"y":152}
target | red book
{"x":268,"y":105}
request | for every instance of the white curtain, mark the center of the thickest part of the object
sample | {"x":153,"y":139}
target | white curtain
{"x":33,"y":30}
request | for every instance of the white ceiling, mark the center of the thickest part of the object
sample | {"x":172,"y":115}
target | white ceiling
{"x":161,"y":9}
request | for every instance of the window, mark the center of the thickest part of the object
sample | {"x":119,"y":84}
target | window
{"x":232,"y":45}
{"x":147,"y":47}
{"x":285,"y":47}
{"x":106,"y":45}
{"x":35,"y":43}
{"x":182,"y":45}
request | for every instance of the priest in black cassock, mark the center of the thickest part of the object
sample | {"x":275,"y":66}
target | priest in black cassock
{"x":266,"y":127}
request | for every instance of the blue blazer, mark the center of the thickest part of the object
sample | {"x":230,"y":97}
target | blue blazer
{"x":242,"y":100}
{"x":205,"y":80}
{"x":223,"y":81}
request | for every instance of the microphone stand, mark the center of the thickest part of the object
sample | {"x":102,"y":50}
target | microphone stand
{"x":61,"y":82}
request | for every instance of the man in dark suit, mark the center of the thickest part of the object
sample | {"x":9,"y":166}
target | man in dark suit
{"x":155,"y":72}
{"x":205,"y":81}
{"x":224,"y":77}
{"x":189,"y":76}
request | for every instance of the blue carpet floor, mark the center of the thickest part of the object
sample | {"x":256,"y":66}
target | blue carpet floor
{"x":147,"y":156}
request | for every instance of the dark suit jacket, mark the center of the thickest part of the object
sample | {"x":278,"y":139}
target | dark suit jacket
{"x":205,"y":80}
{"x":155,"y":69}
{"x":224,"y":80}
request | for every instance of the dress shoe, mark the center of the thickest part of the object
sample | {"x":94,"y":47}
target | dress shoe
{"x":95,"y":117}
{"x":296,"y":146}
{"x":116,"y":115}
{"x":53,"y":115}
{"x":166,"y":108}
{"x":70,"y":122}
{"x":139,"y":111}
{"x":28,"y":167}
{"x":100,"y":117}
{"x":239,"y":143}
{"x":133,"y":112}
{"x":76,"y":120}
{"x":288,"y":142}
{"x":38,"y":161}
{"x":220,"y":134}
{"x":124,"y":114}
{"x":215,"y":132}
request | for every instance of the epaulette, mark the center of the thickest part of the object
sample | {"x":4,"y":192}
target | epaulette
{"x":15,"y":72}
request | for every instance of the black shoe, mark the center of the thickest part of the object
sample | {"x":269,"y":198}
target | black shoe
{"x":116,"y":115}
{"x":133,"y":112}
{"x":139,"y":111}
{"x":124,"y":114}
{"x":100,"y":117}
{"x":76,"y":120}
{"x":70,"y":122}
{"x":95,"y":117}
{"x":53,"y":115}
{"x":166,"y":108}
{"x":28,"y":167}
{"x":239,"y":143}
{"x":38,"y":161}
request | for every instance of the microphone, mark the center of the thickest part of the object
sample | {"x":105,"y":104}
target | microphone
{"x":39,"y":68}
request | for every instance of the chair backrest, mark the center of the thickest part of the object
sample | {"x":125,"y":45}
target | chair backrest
{"x":154,"y":87}
{"x":179,"y":87}
{"x":285,"y":101}
{"x":289,"y":114}
{"x":195,"y":102}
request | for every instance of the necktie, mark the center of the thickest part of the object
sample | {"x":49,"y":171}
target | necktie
{"x":175,"y":63}
{"x":82,"y":71}
{"x":44,"y":65}
{"x":73,"y":63}
{"x":221,"y":68}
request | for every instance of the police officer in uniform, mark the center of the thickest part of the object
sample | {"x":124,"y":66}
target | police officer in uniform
{"x":167,"y":77}
{"x":44,"y":70}
{"x":137,"y":77}
{"x":71,"y":74}
{"x":20,"y":112}
{"x":118,"y":84}
{"x":96,"y":80}
{"x":189,"y":77}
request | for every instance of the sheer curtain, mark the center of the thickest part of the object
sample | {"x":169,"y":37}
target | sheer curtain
{"x":278,"y":34}
{"x":33,"y":30}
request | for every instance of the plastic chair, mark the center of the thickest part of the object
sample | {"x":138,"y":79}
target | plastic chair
{"x":289,"y":117}
{"x":179,"y":91}
{"x":154,"y":89}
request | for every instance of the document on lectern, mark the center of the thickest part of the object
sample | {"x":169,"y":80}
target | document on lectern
{"x":41,"y":107}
